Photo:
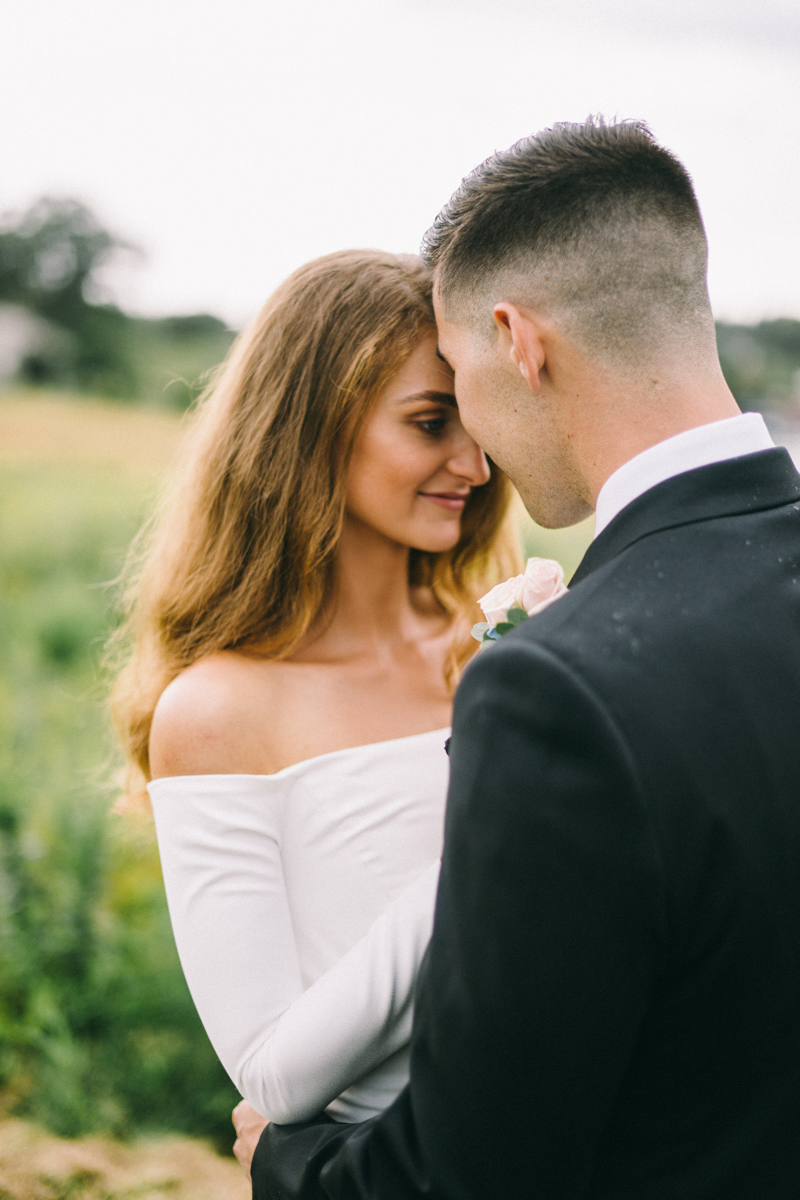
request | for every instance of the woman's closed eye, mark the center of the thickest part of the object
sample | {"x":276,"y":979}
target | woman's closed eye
{"x":433,"y":426}
{"x":431,"y":411}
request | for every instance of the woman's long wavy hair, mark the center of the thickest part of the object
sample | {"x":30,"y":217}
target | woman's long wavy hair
{"x":242,"y":550}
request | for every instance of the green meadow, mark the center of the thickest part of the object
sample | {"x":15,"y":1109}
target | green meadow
{"x":97,"y":1029}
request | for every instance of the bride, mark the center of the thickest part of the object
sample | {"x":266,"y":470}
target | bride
{"x":301,"y":614}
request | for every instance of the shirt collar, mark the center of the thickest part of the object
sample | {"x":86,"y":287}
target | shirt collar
{"x":720,"y":440}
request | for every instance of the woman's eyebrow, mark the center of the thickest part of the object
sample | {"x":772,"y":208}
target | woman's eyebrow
{"x":432,"y":397}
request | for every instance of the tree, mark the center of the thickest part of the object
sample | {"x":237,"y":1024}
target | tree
{"x":50,"y":257}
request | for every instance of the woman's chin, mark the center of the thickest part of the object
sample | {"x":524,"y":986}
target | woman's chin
{"x":437,"y":541}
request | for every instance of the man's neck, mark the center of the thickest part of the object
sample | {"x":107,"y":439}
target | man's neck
{"x":630,"y":423}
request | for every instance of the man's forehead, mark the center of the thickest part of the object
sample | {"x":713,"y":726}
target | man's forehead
{"x":450,"y":337}
{"x":444,"y":345}
{"x":448,"y":328}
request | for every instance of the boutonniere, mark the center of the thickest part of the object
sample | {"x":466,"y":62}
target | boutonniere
{"x":509,"y":604}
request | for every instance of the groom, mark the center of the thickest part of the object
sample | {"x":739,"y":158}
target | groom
{"x":610,"y":1007}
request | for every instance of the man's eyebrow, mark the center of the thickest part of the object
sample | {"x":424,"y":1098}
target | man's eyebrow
{"x":432,"y":397}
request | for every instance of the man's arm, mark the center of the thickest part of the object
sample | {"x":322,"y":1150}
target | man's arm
{"x":548,"y":928}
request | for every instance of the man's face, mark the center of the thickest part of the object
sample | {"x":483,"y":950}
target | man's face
{"x":517,"y":427}
{"x":487,"y":385}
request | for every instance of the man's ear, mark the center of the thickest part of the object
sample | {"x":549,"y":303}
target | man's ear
{"x":526,"y":349}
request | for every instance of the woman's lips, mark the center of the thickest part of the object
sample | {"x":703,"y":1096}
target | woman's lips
{"x":455,"y":501}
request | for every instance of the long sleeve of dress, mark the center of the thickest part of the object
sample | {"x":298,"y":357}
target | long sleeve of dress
{"x":289,"y":1050}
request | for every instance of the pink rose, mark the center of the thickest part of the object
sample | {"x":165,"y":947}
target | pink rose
{"x":544,"y":583}
{"x":541,"y":584}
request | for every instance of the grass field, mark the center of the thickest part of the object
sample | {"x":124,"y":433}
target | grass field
{"x":98,"y":1034}
{"x":97,"y":1029}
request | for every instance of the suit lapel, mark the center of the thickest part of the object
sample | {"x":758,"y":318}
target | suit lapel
{"x":752,"y":483}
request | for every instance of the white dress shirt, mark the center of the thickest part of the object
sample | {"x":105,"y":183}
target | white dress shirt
{"x":696,"y":447}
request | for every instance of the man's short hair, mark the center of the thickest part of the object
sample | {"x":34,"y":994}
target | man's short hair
{"x":594,"y":222}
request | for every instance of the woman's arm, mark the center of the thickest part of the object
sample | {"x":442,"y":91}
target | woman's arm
{"x":289,"y":1051}
{"x":351,"y":1019}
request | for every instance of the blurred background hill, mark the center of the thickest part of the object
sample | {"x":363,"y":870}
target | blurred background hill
{"x":58,"y":331}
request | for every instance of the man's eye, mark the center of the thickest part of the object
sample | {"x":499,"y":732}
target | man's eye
{"x":433,"y":425}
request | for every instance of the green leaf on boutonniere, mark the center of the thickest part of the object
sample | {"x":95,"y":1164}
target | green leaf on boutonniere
{"x":483,"y":632}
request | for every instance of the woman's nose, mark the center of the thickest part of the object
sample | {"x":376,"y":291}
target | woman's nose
{"x":469,"y":462}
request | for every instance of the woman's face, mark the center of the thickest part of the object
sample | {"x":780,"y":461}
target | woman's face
{"x":413,"y":464}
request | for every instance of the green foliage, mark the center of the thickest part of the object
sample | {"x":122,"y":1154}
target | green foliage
{"x":175,"y":357}
{"x":566,"y":546}
{"x":483,"y":632}
{"x":762,"y":364}
{"x":49,"y":259}
{"x":97,"y":1029}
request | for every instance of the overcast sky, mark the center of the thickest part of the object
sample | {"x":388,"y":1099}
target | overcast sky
{"x":235,"y":139}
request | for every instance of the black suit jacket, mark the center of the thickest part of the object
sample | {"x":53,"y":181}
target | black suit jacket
{"x":610,"y":1006}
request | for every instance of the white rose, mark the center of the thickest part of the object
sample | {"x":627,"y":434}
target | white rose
{"x":501,"y":598}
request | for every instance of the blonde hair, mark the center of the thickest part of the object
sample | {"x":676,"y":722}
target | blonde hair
{"x":242,"y":549}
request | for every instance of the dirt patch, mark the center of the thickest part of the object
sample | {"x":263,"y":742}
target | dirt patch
{"x":34,"y":1165}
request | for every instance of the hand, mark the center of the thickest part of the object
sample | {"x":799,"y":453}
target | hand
{"x":249,"y":1126}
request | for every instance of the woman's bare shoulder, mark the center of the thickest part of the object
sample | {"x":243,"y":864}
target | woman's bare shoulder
{"x":213,"y":718}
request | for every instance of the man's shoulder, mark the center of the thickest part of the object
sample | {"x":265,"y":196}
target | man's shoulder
{"x":705,"y":584}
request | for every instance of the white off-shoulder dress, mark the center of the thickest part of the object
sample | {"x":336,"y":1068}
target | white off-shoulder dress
{"x":301,"y":904}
